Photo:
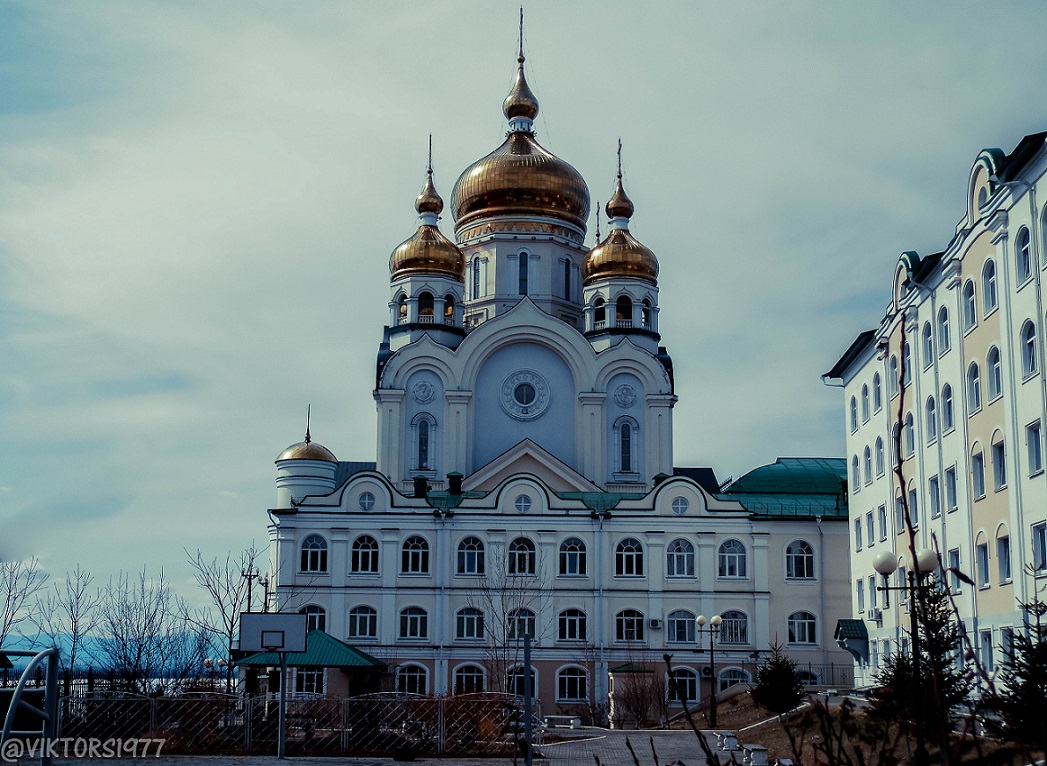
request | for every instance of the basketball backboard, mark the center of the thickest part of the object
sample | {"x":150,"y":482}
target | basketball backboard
{"x":272,"y":632}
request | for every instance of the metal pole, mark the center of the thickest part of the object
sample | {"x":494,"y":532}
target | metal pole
{"x":50,"y":728}
{"x":712,"y":666}
{"x":283,"y":707}
{"x":920,"y":757}
{"x":528,"y":757}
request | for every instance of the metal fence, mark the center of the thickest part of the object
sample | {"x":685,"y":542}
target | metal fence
{"x":379,"y":724}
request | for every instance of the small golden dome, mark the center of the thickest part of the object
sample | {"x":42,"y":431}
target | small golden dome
{"x":620,"y":255}
{"x":308,"y":450}
{"x":619,"y":205}
{"x":428,"y":251}
{"x":520,"y":102}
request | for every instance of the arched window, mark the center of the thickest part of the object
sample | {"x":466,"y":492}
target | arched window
{"x":854,"y":414}
{"x":802,"y":628}
{"x":974,"y":388}
{"x":522,"y":557}
{"x":571,"y":685}
{"x":476,"y":277}
{"x":623,"y":311}
{"x":865,"y":403}
{"x":363,"y":622}
{"x":892,"y":376}
{"x":867,"y":464}
{"x":414,"y":556}
{"x":732,"y":559}
{"x":989,"y":286}
{"x":314,"y":554}
{"x":855,"y":483}
{"x":514,"y":682}
{"x":948,"y":422}
{"x":469,"y":623}
{"x":735,"y":627}
{"x":523,"y":273}
{"x":732,"y":677}
{"x":879,"y":456}
{"x":679,"y":559}
{"x":931,"y":420}
{"x":909,"y":435}
{"x":645,"y":313}
{"x":1022,"y":255}
{"x":1028,"y":348}
{"x":412,"y":679}
{"x":468,"y":679}
{"x":364,"y":556}
{"x":683,"y":686}
{"x":401,"y":310}
{"x":799,"y":560}
{"x":572,"y":557}
{"x":628,"y":558}
{"x":994,"y":381}
{"x":423,"y":444}
{"x":470,"y":556}
{"x":877,"y":393}
{"x":625,"y":445}
{"x":426,"y":307}
{"x":567,"y":280}
{"x":944,"y":342}
{"x":970,"y":306}
{"x":628,"y":625}
{"x":928,"y":345}
{"x":571,"y":625}
{"x":522,"y":622}
{"x":906,"y":364}
{"x":449,"y":309}
{"x":315,"y":617}
{"x":414,"y":623}
{"x":599,"y":314}
{"x":680,"y":627}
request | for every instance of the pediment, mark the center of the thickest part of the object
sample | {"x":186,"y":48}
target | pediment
{"x":526,"y":457}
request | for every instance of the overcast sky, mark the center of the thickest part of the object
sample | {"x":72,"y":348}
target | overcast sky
{"x":198,"y":203}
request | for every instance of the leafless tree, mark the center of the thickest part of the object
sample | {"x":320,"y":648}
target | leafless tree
{"x":68,"y":613}
{"x":638,"y":694}
{"x":20,"y":581}
{"x":145,"y":635}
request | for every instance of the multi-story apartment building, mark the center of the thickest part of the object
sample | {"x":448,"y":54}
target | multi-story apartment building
{"x":953,"y":375}
{"x":524,"y":481}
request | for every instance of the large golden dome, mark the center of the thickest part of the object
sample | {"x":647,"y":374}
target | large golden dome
{"x":428,"y":251}
{"x":520,"y":177}
{"x":620,"y":254}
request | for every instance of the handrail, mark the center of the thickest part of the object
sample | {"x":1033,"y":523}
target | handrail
{"x":49,"y":712}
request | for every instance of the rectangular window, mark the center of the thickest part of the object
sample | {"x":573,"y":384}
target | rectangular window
{"x":978,"y":475}
{"x":857,"y":534}
{"x":874,"y":655}
{"x":999,"y":467}
{"x":1039,"y":547}
{"x":985,"y":646}
{"x":1003,"y":558}
{"x":872,"y":591}
{"x":954,"y":567}
{"x":883,"y":522}
{"x":903,"y":585}
{"x":1035,"y":444}
{"x":1007,"y":642}
{"x":982,"y":553}
{"x":859,"y":587}
{"x":935,"y":497}
{"x":870,"y":527}
{"x":950,"y":489}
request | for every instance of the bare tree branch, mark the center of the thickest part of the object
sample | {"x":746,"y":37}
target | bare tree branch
{"x":20,"y":581}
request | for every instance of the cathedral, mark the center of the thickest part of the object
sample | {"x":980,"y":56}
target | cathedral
{"x":524,"y":481}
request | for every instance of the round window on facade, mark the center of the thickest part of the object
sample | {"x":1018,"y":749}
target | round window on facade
{"x":523,"y":503}
{"x":524,"y":394}
{"x":366,"y":501}
{"x":680,"y":505}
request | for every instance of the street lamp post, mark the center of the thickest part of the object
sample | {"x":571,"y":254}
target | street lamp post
{"x":714,"y":627}
{"x":886,"y":563}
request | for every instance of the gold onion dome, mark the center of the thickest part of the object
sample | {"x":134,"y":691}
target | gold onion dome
{"x":620,"y":254}
{"x":308,"y":450}
{"x":520,"y":177}
{"x":428,"y":251}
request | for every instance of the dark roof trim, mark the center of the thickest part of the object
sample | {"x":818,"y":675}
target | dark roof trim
{"x":852,"y":353}
{"x":1026,"y":149}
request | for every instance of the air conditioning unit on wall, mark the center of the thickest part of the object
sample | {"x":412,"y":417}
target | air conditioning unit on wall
{"x":875,"y":615}
{"x":656,"y":624}
{"x":707,"y":671}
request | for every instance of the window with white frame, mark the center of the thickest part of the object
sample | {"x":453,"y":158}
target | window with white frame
{"x":948,"y":421}
{"x":732,"y":677}
{"x":522,"y":287}
{"x":626,"y":433}
{"x":950,"y":488}
{"x":906,"y":364}
{"x":867,"y":465}
{"x":974,"y":389}
{"x":680,"y":627}
{"x":909,"y":435}
{"x":571,"y":685}
{"x":414,"y":623}
{"x":892,"y":377}
{"x":522,"y":557}
{"x":854,"y":414}
{"x":679,"y":559}
{"x":981,"y":562}
{"x":994,"y":381}
{"x":870,"y":527}
{"x":999,"y":463}
{"x":989,"y":286}
{"x":877,"y":393}
{"x":365,"y":501}
{"x":944,"y":341}
{"x":680,"y":505}
{"x":1003,"y":558}
{"x":682,"y":686}
{"x":1022,"y":255}
{"x":799,"y":557}
{"x":628,"y":558}
{"x":802,"y":628}
{"x":412,"y":679}
{"x":872,"y":592}
{"x":928,"y":345}
{"x":315,"y":617}
{"x":985,"y":653}
{"x":978,"y":475}
{"x":934,"y":497}
{"x":469,"y":679}
{"x":470,"y":560}
{"x":914,"y":506}
{"x":363,"y":558}
{"x":1028,"y":348}
{"x":931,"y":420}
{"x":515,"y":679}
{"x":308,"y":681}
{"x":1007,"y":643}
{"x":414,"y":556}
{"x":732,"y":559}
{"x":899,"y":515}
{"x":1039,"y":547}
{"x":363,"y":622}
{"x":1034,"y":447}
{"x":882,"y":513}
{"x":314,"y":555}
{"x":954,"y":568}
{"x":859,"y":593}
{"x":629,"y":626}
{"x":424,"y":427}
{"x":734,"y":627}
{"x":879,"y":456}
{"x":476,"y":277}
{"x":469,"y":623}
{"x":865,"y":403}
{"x":522,"y":622}
{"x":571,"y":625}
{"x":856,"y":482}
{"x":970,"y":306}
{"x":572,"y":558}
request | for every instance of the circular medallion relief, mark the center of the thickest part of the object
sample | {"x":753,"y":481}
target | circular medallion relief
{"x":625,"y":395}
{"x":423,"y":391}
{"x":524,"y":395}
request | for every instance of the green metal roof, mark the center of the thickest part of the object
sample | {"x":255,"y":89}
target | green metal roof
{"x":793,"y":486}
{"x":321,"y":651}
{"x":630,"y":667}
{"x":850,"y":628}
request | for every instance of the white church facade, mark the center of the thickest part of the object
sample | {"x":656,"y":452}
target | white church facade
{"x":524,"y":479}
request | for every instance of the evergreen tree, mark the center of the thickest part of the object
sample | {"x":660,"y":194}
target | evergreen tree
{"x":1023,"y":698}
{"x":778,"y":686}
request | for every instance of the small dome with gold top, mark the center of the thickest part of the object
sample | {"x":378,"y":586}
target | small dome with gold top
{"x":307,"y":450}
{"x":428,"y":251}
{"x":520,"y":177}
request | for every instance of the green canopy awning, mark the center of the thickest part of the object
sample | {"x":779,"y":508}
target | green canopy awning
{"x":321,"y":651}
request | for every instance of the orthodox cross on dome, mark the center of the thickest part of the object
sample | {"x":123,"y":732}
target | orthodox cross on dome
{"x":429,"y":166}
{"x":308,"y":418}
